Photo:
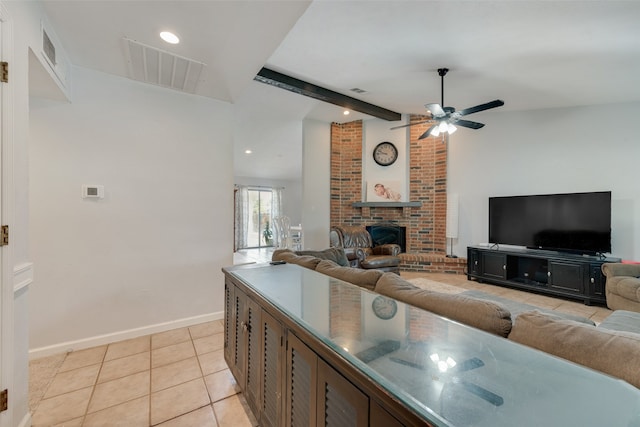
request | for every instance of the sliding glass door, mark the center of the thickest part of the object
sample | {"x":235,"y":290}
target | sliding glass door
{"x":260,"y":227}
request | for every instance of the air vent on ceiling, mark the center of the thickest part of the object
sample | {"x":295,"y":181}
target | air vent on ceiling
{"x":150,"y":65}
{"x":358,"y":90}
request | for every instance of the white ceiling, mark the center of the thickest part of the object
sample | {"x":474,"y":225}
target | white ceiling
{"x":531,"y":54}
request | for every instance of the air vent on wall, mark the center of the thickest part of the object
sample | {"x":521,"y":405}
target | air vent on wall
{"x":53,"y":55}
{"x":151,"y":65}
{"x":48,"y":48}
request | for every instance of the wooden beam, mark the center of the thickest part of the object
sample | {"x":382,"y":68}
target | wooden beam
{"x":301,"y":87}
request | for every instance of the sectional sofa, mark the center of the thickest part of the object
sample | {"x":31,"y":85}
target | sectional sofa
{"x":612,"y":347}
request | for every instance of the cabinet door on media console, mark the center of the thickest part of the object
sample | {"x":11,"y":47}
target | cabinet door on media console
{"x":473,"y":261}
{"x":493,"y":265}
{"x":567,"y":276}
{"x":596,"y":282}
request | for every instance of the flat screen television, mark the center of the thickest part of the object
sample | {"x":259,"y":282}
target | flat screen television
{"x":576,"y":222}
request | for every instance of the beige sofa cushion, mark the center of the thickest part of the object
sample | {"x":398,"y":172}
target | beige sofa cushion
{"x":614,"y":353}
{"x":286,"y":255}
{"x":363,"y":278}
{"x":481,"y":314}
{"x":336,"y":255}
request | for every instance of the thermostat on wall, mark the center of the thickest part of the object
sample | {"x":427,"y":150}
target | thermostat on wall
{"x":93,"y":191}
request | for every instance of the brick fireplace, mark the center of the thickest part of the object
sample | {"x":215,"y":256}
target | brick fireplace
{"x":426,"y":244}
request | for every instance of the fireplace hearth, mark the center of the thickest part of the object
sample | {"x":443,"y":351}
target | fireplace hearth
{"x":386,"y":233}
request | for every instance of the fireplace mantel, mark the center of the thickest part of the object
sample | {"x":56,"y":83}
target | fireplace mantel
{"x":387,"y":204}
{"x":406,"y":206}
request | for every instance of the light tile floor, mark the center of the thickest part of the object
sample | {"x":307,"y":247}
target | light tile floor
{"x":179,"y":377}
{"x":174,"y":378}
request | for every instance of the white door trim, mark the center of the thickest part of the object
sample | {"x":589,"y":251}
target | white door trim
{"x":6,"y":218}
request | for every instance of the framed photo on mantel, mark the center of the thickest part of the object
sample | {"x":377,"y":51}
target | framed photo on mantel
{"x":383,"y":191}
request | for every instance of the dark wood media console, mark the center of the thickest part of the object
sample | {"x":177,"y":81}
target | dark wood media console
{"x":553,"y":273}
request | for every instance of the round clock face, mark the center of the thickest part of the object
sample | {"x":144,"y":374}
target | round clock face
{"x":383,"y":307}
{"x":385,"y":153}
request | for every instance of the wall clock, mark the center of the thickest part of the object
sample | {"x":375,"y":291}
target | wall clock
{"x":385,"y":153}
{"x":383,"y":307}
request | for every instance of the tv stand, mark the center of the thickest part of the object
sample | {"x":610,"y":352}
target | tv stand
{"x":553,"y":273}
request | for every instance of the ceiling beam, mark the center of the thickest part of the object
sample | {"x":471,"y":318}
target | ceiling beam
{"x":301,"y":87}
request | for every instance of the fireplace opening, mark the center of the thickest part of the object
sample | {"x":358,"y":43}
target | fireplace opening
{"x":382,"y":234}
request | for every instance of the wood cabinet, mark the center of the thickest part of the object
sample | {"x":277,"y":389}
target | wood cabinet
{"x":254,"y":349}
{"x":559,"y":274}
{"x":285,"y":381}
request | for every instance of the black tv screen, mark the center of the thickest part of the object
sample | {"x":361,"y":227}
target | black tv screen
{"x":576,"y":222}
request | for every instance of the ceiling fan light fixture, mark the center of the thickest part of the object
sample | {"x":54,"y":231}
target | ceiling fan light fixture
{"x":451,"y":128}
{"x":443,"y":126}
{"x":435,"y":131}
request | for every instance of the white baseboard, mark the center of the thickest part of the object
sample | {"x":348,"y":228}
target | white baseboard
{"x":68,"y":346}
{"x":26,"y":420}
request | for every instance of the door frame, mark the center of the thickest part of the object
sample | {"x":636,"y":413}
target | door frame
{"x":6,"y":217}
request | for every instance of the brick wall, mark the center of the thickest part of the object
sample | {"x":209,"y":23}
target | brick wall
{"x":426,"y":225}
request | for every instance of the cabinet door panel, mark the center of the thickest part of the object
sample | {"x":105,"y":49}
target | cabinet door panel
{"x":238,"y":365}
{"x":381,"y":418}
{"x":301,"y":384}
{"x":566,"y":276}
{"x":229,"y":316}
{"x":494,"y":265}
{"x":272,"y":338}
{"x":340,"y":403}
{"x":254,"y":355}
{"x":473,"y":261}
{"x":597,"y":281}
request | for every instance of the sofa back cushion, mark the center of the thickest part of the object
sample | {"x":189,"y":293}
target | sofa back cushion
{"x":363,"y":278}
{"x":336,"y":255}
{"x":289,"y":256}
{"x":612,"y":352}
{"x":486,"y":315}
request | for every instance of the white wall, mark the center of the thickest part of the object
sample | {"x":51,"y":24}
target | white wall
{"x":291,"y":195}
{"x":149,"y":253}
{"x":549,"y":151}
{"x":376,"y":131}
{"x":316,"y":178}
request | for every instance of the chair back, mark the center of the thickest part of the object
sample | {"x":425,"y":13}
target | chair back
{"x":350,"y":236}
{"x":284,"y":232}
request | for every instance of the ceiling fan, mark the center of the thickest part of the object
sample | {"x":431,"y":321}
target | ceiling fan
{"x":444,"y":119}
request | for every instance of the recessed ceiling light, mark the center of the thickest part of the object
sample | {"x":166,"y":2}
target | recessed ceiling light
{"x":346,"y":112}
{"x":248,"y":151}
{"x":169,"y":37}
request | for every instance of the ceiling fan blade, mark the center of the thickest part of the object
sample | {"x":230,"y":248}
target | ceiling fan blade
{"x":428,"y":132}
{"x":468,"y":124}
{"x":436,"y":110}
{"x":411,"y":124}
{"x":481,"y":107}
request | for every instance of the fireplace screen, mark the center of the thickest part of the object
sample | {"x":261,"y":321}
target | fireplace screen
{"x":382,"y":234}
